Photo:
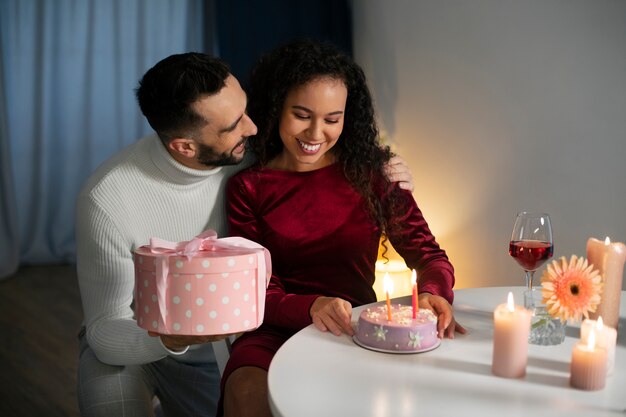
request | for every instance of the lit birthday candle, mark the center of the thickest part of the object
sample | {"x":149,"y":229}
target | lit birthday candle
{"x":388,"y":286}
{"x":414,"y":298}
{"x":510,"y":339}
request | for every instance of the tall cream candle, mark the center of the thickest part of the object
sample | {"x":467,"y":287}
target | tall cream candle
{"x":609,"y":259}
{"x":510,"y":339}
{"x":588,"y":366}
{"x":606,"y":338}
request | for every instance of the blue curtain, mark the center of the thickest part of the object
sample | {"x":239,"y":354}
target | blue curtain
{"x":8,"y":214}
{"x":68,"y":73}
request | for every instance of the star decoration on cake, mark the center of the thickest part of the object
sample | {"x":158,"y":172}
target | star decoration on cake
{"x":379,"y":333}
{"x":415,"y":340}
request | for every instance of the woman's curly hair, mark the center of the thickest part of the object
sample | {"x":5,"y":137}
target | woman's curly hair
{"x":358,"y":149}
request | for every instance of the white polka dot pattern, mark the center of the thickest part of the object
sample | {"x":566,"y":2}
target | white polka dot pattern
{"x":206,"y":295}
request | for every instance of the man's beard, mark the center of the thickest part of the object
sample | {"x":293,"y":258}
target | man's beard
{"x":209,"y":157}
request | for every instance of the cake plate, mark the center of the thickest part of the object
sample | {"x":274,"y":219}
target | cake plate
{"x":402,"y":352}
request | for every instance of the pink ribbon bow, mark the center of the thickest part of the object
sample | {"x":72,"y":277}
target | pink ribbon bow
{"x":206,"y":240}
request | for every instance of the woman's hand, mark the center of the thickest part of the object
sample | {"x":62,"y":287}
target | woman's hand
{"x":332,"y":314}
{"x":446,"y":324}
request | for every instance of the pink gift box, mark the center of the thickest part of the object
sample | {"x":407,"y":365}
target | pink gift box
{"x":206,"y":286}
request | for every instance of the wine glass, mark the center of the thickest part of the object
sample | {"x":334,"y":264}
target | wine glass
{"x":531,"y":242}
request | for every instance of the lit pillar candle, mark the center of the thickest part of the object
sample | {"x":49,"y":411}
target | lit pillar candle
{"x":510,"y":339}
{"x":414,"y":298}
{"x":388,"y":284}
{"x":606,"y":338}
{"x":609,"y":259}
{"x":588,"y":367}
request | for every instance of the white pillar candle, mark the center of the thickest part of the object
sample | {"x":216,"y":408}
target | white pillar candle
{"x":510,"y":339}
{"x":588,"y":367}
{"x":606,"y":338}
{"x":609,"y":259}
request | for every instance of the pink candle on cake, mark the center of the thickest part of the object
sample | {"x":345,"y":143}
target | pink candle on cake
{"x":609,"y":259}
{"x":388,"y":287}
{"x":606,"y":338}
{"x":588,"y":367}
{"x":414,"y":298}
{"x":510,"y":339}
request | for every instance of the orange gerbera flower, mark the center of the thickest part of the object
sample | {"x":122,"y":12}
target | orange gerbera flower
{"x":571,"y":290}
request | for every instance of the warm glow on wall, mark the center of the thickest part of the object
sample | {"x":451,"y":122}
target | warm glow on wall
{"x":391,"y":262}
{"x":399,"y":274}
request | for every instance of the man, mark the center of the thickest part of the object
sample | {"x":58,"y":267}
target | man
{"x":169,"y":185}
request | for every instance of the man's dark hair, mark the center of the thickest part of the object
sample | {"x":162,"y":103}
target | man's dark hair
{"x":167,"y":90}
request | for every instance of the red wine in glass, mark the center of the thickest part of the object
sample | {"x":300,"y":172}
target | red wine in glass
{"x":531,"y":242}
{"x":531,"y":254}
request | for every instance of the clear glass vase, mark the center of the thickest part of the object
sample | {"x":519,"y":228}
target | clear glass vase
{"x":544,"y":329}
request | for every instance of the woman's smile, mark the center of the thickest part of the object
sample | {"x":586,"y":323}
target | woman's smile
{"x":309,"y":148}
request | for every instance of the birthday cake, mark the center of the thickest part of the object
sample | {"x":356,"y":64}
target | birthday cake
{"x":403,"y":334}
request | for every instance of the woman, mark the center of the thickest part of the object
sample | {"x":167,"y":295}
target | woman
{"x":318,"y":199}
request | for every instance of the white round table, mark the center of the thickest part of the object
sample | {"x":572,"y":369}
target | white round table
{"x":318,"y":374}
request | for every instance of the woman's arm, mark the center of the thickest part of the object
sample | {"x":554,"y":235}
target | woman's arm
{"x":417,"y":245}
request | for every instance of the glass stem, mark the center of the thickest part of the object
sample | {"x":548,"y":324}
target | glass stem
{"x":529,"y":279}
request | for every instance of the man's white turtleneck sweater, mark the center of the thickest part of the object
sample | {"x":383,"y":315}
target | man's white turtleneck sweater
{"x":141,"y":192}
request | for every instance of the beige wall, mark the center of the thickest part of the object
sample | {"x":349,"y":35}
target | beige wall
{"x":501,"y":106}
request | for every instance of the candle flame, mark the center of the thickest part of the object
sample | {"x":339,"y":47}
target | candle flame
{"x":600,"y":324}
{"x":387,"y":284}
{"x":591,"y":340}
{"x":413,"y":277}
{"x":607,"y":241}
{"x":510,"y":304}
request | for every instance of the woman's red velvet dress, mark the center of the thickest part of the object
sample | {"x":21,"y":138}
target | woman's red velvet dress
{"x":323,"y":242}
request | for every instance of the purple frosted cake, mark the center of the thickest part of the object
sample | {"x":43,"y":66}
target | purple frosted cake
{"x":402,"y":334}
